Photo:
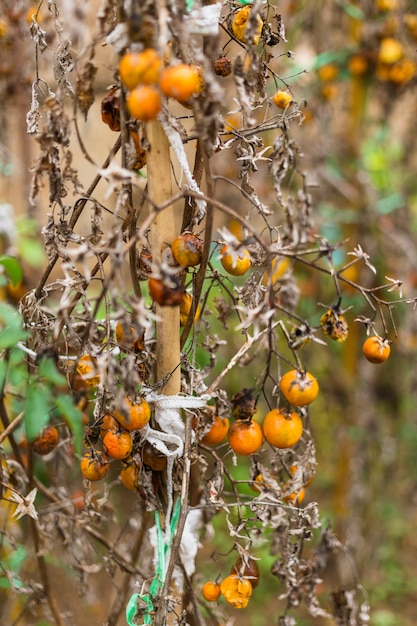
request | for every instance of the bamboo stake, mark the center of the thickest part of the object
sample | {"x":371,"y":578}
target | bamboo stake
{"x":162,"y":234}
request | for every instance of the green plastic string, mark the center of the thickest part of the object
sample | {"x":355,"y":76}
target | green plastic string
{"x":189,"y":5}
{"x":159,"y":579}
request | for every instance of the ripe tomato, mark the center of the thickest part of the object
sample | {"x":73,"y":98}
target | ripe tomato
{"x":135,"y":415}
{"x":153,"y":458}
{"x":282,"y":99}
{"x":217,"y":432}
{"x":236,"y":591}
{"x":185,"y":308}
{"x":211,"y":591}
{"x":181,"y":81}
{"x":187,"y":249}
{"x":94,"y":465}
{"x":129,"y":475}
{"x":144,"y":103}
{"x":118,"y":444}
{"x":299,"y":388}
{"x":376,"y":349}
{"x":245,"y":437}
{"x":282,"y":428}
{"x":108,"y":422}
{"x":47,"y":441}
{"x":166,"y":294}
{"x":247,"y":569}
{"x":136,"y":68}
{"x":236,"y":264}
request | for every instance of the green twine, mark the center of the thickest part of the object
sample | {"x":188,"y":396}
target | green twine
{"x":143,"y":604}
{"x":189,"y":5}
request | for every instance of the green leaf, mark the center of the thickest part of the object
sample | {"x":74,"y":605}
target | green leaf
{"x":13,"y":268}
{"x":73,"y":417}
{"x":9,"y":316}
{"x":47,"y":370}
{"x":37,"y":409}
{"x":9,"y":337}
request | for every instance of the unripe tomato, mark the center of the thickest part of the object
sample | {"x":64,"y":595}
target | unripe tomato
{"x":144,"y":103}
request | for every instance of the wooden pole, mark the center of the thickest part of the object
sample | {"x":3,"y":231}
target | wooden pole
{"x":163,"y":232}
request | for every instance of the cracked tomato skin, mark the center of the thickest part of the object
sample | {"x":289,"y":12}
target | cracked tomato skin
{"x":245,"y":437}
{"x":282,"y":428}
{"x":187,"y":249}
{"x":236,"y":591}
{"x":299,"y":388}
{"x":376,"y":349}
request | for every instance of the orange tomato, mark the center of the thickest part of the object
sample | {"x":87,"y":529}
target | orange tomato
{"x":237,"y":263}
{"x":185,"y":308}
{"x":245,"y":437}
{"x":94,"y":465}
{"x":296,"y":497}
{"x":144,"y":103}
{"x":299,"y":388}
{"x":87,"y":370}
{"x":117,"y":444}
{"x":181,"y":82}
{"x":140,"y":68}
{"x":129,"y":475}
{"x":376,"y":349}
{"x":135,"y":416}
{"x":211,"y":591}
{"x":217,"y":432}
{"x":282,"y":99}
{"x":187,"y":249}
{"x":47,"y":441}
{"x":282,"y":428}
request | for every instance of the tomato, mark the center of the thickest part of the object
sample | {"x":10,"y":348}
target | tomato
{"x":144,"y":103}
{"x":236,"y":591}
{"x":47,"y":441}
{"x":140,"y":68}
{"x":299,"y":388}
{"x":218,"y":431}
{"x":237,"y":263}
{"x":164,"y":293}
{"x":282,"y":428}
{"x":118,"y":444}
{"x":129,"y":475}
{"x":187,"y":249}
{"x":247,"y":569}
{"x":94,"y":465}
{"x":334,"y":325}
{"x":185,"y":308}
{"x":135,"y":416}
{"x":282,"y":99}
{"x":245,"y":437}
{"x":376,"y":349}
{"x":211,"y":591}
{"x":240,"y":22}
{"x":181,"y":81}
